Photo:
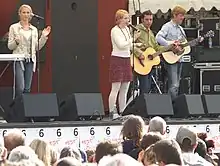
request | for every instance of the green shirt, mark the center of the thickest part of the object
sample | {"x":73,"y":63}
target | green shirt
{"x":147,"y":39}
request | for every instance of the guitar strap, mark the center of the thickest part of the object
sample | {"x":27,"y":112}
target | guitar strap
{"x":182,"y":32}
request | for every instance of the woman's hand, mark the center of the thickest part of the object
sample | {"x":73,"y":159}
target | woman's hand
{"x":46,"y":31}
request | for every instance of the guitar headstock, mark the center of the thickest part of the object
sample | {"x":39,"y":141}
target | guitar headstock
{"x":210,"y":33}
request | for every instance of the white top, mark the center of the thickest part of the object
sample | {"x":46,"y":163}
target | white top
{"x":121,"y":41}
{"x":24,"y":46}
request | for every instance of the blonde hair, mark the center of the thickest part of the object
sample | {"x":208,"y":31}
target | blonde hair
{"x":25,"y":6}
{"x":149,"y":155}
{"x":178,"y":10}
{"x":43,"y":150}
{"x":119,"y":15}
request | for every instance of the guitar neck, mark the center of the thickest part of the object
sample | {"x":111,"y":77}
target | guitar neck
{"x":167,"y":48}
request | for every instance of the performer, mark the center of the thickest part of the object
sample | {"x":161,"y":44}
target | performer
{"x":23,"y":39}
{"x":147,"y":39}
{"x":172,"y":31}
{"x":120,"y":67}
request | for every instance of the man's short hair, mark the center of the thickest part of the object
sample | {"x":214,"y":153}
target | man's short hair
{"x":107,"y":148}
{"x":157,"y":124}
{"x":178,"y":10}
{"x":168,"y":151}
{"x":146,"y":13}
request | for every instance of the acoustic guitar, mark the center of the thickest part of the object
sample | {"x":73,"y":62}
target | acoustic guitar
{"x":172,"y":57}
{"x":151,"y":58}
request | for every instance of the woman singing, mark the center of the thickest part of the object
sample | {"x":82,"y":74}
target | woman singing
{"x":23,"y":39}
{"x":120,"y":68}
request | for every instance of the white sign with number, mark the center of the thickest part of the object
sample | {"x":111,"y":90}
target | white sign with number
{"x":87,"y":137}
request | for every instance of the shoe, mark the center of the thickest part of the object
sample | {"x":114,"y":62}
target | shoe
{"x":113,"y":115}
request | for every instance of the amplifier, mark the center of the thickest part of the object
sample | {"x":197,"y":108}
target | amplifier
{"x":209,"y":77}
{"x":204,"y":54}
{"x":211,"y":23}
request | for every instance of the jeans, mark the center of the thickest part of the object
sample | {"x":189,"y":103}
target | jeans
{"x":145,"y":83}
{"x":174,"y":72}
{"x":23,"y":78}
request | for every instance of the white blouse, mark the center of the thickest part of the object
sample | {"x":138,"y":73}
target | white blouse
{"x":121,"y":41}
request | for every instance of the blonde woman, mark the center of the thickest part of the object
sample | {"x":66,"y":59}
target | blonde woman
{"x":120,"y":68}
{"x":42,"y":150}
{"x":23,"y":39}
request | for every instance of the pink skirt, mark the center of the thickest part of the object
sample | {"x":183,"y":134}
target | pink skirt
{"x":120,"y":69}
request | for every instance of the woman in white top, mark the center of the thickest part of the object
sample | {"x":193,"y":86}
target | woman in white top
{"x":23,"y":39}
{"x":120,"y":68}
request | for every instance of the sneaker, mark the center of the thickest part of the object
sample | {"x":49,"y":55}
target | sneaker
{"x":113,"y":115}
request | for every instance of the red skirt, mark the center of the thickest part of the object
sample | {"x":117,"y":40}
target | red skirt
{"x":120,"y":69}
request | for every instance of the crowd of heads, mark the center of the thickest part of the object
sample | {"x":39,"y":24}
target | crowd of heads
{"x":139,"y":145}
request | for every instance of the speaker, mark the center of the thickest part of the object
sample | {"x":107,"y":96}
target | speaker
{"x":188,"y":105}
{"x":74,"y":47}
{"x":33,"y":106}
{"x":81,"y":106}
{"x":6,"y":95}
{"x":211,"y":104}
{"x":147,"y":105}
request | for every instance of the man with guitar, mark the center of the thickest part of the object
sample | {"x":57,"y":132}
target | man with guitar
{"x":172,"y":31}
{"x":144,"y":41}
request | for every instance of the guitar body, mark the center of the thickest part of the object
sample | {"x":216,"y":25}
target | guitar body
{"x":172,"y":58}
{"x":145,"y":67}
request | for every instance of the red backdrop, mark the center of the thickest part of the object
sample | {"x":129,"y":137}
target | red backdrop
{"x":106,"y":9}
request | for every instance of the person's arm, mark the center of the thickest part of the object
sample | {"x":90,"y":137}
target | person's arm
{"x":161,"y":35}
{"x":42,"y":40}
{"x":120,"y":42}
{"x":12,"y":44}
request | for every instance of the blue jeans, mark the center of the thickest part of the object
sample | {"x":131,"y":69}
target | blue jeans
{"x":174,"y":72}
{"x":23,"y":78}
{"x":145,"y":83}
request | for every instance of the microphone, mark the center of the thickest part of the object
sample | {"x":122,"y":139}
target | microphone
{"x":133,"y":27}
{"x":37,"y":16}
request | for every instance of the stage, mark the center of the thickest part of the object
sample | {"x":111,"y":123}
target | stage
{"x":87,"y":134}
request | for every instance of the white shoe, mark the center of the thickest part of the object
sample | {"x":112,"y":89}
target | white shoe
{"x":115,"y":116}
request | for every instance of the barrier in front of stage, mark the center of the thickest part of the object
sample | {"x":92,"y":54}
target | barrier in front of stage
{"x":86,"y":135}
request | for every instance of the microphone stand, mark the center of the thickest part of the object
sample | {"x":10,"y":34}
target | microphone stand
{"x":137,"y":15}
{"x":38,"y":55}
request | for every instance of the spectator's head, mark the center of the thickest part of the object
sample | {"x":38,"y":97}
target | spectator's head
{"x":22,"y":153}
{"x":119,"y":160}
{"x":90,"y":155}
{"x":13,"y":139}
{"x":3,"y":152}
{"x":107,"y":148}
{"x":149,"y":157}
{"x":187,"y":139}
{"x":54,"y":155}
{"x":43,"y":150}
{"x":133,"y":129}
{"x":149,"y":139}
{"x":71,"y":152}
{"x":168,"y":152}
{"x":201,"y":148}
{"x":157,"y":124}
{"x":68,"y":161}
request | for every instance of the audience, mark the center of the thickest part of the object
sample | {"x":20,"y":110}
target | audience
{"x":138,"y":148}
